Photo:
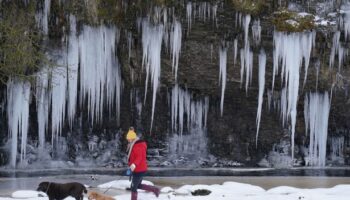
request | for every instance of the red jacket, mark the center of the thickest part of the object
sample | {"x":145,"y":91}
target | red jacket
{"x":138,"y":156}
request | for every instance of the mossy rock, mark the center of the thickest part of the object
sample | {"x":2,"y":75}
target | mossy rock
{"x":253,"y":7}
{"x":288,"y":21}
{"x":201,"y":192}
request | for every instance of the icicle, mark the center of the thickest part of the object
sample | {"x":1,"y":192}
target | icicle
{"x":291,"y":49}
{"x":183,"y":107}
{"x":284,"y":106}
{"x":215,"y":9}
{"x":235,"y":43}
{"x":18,"y":101}
{"x":335,"y":48}
{"x":130,"y":43}
{"x":174,"y":106}
{"x":337,"y":149}
{"x":189,"y":16}
{"x":318,"y":109}
{"x":43,"y":98}
{"x":317,"y":66}
{"x":42,"y":18}
{"x":152,"y":44}
{"x":256,"y":31}
{"x":72,"y":62}
{"x":58,"y":99}
{"x":346,"y":20}
{"x":246,"y":55}
{"x":222,"y":75}
{"x":307,"y":46}
{"x":100,"y":74}
{"x":262,"y":64}
{"x":175,"y":45}
{"x":306,"y":114}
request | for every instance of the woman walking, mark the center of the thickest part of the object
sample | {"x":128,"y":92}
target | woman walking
{"x":137,"y":163}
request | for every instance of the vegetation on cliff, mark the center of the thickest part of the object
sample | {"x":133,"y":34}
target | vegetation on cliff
{"x":20,"y":50}
{"x":288,"y":21}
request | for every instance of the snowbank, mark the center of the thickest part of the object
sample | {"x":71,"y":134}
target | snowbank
{"x":226,"y":191}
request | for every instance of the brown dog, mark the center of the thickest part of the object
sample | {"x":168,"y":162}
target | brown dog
{"x":59,"y":191}
{"x":92,"y":195}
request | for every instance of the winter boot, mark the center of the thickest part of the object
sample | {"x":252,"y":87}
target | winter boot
{"x":133,"y":195}
{"x":150,"y":188}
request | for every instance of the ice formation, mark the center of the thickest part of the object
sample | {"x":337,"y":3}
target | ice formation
{"x":290,"y":49}
{"x":185,"y":108}
{"x":262,"y":65}
{"x":42,"y":17}
{"x":246,"y":55}
{"x":175,"y":45}
{"x":222,"y":75}
{"x":152,"y":44}
{"x":316,"y":108}
{"x":18,"y":100}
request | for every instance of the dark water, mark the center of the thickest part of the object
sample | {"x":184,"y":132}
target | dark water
{"x":176,"y":172}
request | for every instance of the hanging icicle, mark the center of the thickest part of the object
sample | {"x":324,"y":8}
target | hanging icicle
{"x":175,"y":45}
{"x":291,"y":49}
{"x":152,"y":44}
{"x":18,"y":101}
{"x":222,"y":75}
{"x":100,"y":74}
{"x":246,"y":55}
{"x":42,"y":17}
{"x":317,"y":110}
{"x":262,"y":65}
{"x":72,"y":66}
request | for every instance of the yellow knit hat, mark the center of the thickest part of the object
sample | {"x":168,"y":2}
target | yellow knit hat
{"x":131,"y":135}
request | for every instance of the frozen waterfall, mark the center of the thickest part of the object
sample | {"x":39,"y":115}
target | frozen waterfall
{"x":152,"y":44}
{"x":18,"y":100}
{"x":290,"y":49}
{"x":317,"y":107}
{"x":72,"y":64}
{"x":100,"y":74}
{"x":194,"y":111}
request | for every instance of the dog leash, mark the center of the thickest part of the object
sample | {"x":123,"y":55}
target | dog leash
{"x":109,"y":186}
{"x":48,"y":187}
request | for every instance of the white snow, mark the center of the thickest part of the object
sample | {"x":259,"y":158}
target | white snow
{"x":225,"y":191}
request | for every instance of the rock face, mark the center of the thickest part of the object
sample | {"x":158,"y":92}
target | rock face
{"x":230,"y":138}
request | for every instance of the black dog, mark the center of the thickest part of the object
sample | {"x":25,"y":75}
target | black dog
{"x":59,"y":191}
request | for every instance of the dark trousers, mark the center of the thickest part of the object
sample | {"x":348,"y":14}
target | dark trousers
{"x":136,"y":181}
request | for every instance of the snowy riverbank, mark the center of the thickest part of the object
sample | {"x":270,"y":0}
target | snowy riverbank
{"x":227,"y":190}
{"x":178,"y":188}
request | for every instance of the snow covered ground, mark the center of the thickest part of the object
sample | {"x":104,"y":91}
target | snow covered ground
{"x":227,"y":190}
